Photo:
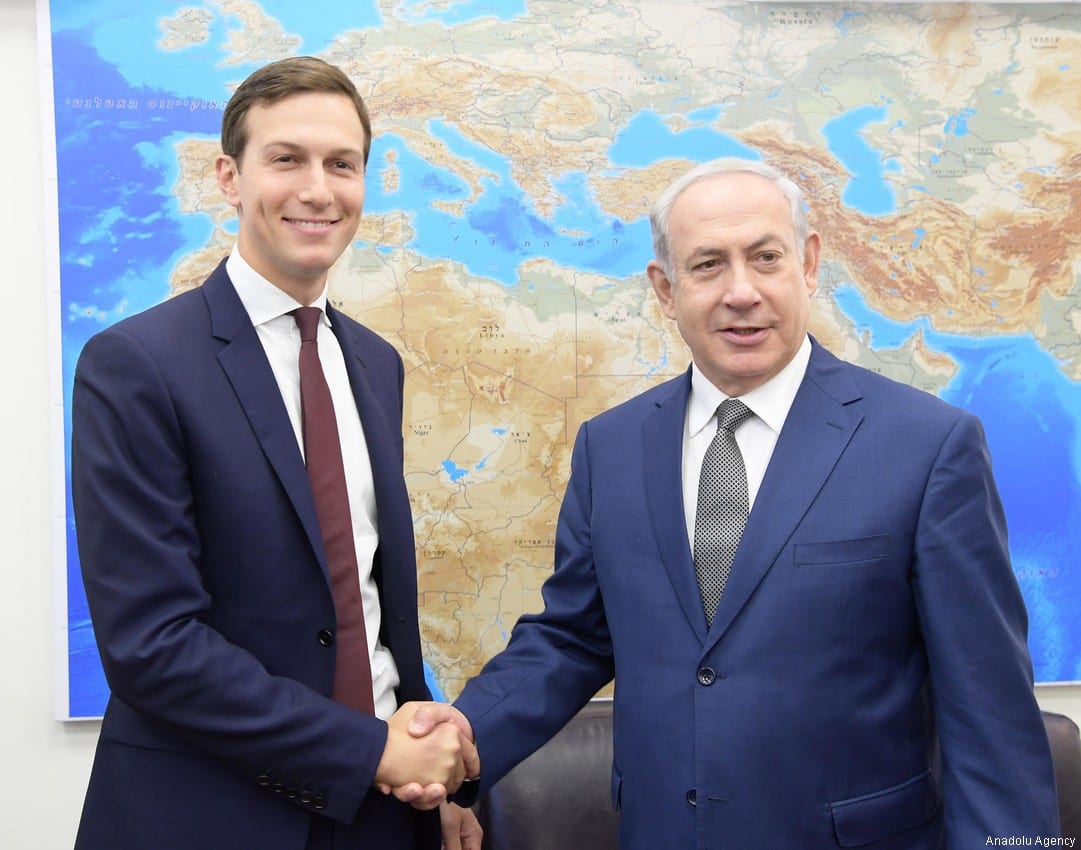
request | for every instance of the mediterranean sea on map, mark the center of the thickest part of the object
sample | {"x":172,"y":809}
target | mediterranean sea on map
{"x":517,"y":148}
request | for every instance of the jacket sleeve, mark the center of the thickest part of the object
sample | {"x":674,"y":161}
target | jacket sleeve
{"x":998,"y":778}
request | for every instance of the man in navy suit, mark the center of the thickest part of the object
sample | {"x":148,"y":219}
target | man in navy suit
{"x":864,"y":680}
{"x":201,"y":549}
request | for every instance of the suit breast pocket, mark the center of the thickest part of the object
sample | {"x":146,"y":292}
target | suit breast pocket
{"x":861,"y":551}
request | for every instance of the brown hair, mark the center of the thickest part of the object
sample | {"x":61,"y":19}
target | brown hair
{"x":279,"y":80}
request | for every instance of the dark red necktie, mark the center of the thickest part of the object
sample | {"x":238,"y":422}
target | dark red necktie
{"x":323,"y":456}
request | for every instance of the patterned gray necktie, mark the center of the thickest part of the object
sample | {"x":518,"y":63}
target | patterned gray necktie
{"x":722,"y":506}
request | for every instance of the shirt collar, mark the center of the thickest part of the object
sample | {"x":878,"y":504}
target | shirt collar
{"x":769,"y":402}
{"x":262,"y":300}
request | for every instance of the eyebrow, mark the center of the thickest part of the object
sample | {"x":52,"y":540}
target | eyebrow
{"x":763,"y":241}
{"x":337,"y":153}
{"x":759,"y":243}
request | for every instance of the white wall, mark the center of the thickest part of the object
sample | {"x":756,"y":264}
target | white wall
{"x":45,"y":763}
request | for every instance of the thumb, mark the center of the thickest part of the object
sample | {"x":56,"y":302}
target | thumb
{"x":425,"y":719}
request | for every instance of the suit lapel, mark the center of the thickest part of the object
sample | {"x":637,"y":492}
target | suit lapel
{"x":395,"y":524}
{"x":246,"y":366}
{"x":378,"y":434}
{"x":663,"y":450}
{"x":820,"y":424}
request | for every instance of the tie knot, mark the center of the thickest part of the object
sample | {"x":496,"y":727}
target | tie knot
{"x":307,"y":319}
{"x":731,"y":413}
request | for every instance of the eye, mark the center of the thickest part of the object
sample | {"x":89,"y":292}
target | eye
{"x":707,"y":265}
{"x":770,"y":257}
{"x":343,"y":165}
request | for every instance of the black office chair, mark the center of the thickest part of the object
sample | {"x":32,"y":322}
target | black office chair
{"x":1066,"y":753}
{"x":560,"y":797}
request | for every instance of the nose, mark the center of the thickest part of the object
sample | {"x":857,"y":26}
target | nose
{"x":315,"y":189}
{"x":740,"y":291}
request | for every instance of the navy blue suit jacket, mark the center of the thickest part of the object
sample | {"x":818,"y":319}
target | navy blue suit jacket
{"x":207,"y":584}
{"x":866,"y":680}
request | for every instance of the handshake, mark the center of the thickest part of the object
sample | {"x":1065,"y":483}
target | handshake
{"x":428,"y":754}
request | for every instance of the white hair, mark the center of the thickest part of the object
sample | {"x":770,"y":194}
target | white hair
{"x":662,"y":207}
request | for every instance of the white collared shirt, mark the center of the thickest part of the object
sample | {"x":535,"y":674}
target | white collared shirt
{"x":268,"y":308}
{"x":756,"y":437}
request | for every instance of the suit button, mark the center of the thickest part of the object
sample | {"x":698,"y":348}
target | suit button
{"x":276,"y":787}
{"x":319,"y":802}
{"x":692,"y":797}
{"x":263,"y":779}
{"x":326,"y":637}
{"x":706,"y":676}
{"x":291,"y":793}
{"x":305,"y":796}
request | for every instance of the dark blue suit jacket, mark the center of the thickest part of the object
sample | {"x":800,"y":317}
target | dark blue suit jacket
{"x":866,"y":680}
{"x":207,"y":583}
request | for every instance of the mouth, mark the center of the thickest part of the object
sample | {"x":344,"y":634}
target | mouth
{"x":744,"y":336}
{"x":311,"y":224}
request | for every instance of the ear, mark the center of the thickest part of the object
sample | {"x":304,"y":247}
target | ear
{"x":662,"y":286}
{"x":811,"y":251}
{"x":228,"y":172}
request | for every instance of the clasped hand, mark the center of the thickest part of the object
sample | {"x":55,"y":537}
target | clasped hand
{"x":429,"y":753}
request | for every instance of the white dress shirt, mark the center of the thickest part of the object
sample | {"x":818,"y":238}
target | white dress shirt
{"x":268,"y":307}
{"x":756,"y":437}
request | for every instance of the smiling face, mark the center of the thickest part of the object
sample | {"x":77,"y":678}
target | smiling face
{"x":298,"y":188}
{"x":741,"y":293}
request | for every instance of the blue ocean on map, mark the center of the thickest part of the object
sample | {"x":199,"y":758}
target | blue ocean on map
{"x":122,"y":234}
{"x":646,"y":138}
{"x":502,"y":229}
{"x":1029,"y":410}
{"x":866,"y":191}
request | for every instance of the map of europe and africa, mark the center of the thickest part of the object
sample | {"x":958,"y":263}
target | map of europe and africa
{"x":518,"y":145}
